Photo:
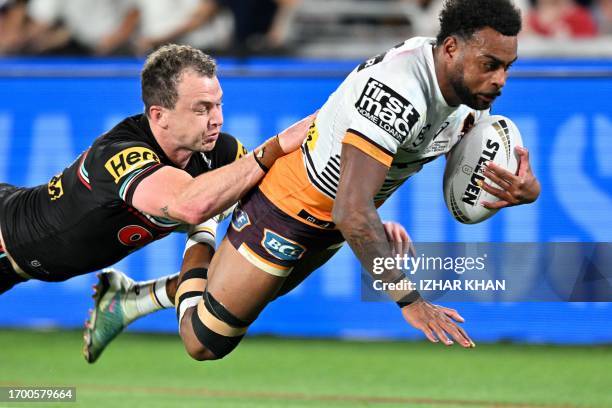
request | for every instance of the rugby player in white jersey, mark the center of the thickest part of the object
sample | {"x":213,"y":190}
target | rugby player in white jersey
{"x":392,"y":114}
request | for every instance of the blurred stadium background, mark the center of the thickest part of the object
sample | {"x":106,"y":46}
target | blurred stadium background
{"x":69,"y":71}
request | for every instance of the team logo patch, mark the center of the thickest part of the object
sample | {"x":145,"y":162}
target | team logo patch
{"x":281,"y":247}
{"x":240,"y":219}
{"x":134,"y":236}
{"x":55,"y":188}
{"x":387,"y":109}
{"x":129,"y":160}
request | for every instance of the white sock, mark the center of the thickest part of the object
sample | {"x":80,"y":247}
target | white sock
{"x":147,"y":297}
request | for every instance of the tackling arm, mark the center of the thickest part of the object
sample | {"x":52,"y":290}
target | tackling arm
{"x":174,"y":194}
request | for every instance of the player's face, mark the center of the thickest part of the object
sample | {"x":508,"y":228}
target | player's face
{"x":481,"y":67}
{"x":197,"y":117}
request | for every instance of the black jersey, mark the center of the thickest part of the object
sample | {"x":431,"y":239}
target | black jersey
{"x":83,"y":220}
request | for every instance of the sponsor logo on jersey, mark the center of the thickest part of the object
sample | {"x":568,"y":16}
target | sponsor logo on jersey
{"x":371,"y":62}
{"x":387,"y":109}
{"x":129,"y":160}
{"x":472,"y":191}
{"x":311,"y":137}
{"x":55,"y":188}
{"x":314,"y":220}
{"x":281,"y":247}
{"x":240,"y":219}
{"x":442,"y":128}
{"x":437,"y":147}
{"x":421,"y":136}
{"x":377,"y":58}
{"x":241,"y":151}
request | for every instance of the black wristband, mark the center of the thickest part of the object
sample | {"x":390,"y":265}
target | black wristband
{"x":263,"y":166}
{"x":409,"y":299}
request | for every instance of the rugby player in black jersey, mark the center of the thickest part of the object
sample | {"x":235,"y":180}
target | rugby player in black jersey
{"x":146,"y":177}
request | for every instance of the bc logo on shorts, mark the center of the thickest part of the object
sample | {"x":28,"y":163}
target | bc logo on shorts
{"x":240,"y":219}
{"x":281,"y":247}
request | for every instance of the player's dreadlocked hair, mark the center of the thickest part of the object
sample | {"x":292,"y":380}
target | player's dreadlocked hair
{"x":162,"y":71}
{"x":464,"y":17}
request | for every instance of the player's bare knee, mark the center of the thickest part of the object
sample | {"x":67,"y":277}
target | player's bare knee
{"x":193,"y":346}
{"x":198,"y":352}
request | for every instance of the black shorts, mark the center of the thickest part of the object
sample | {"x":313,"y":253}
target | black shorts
{"x":272,"y":240}
{"x":6,"y":190}
{"x":8,"y":276}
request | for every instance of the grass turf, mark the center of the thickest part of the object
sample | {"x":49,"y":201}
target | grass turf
{"x":145,"y":370}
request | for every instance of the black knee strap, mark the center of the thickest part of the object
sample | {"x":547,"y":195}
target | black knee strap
{"x":218,"y":344}
{"x":221,"y":313}
{"x":195,"y":273}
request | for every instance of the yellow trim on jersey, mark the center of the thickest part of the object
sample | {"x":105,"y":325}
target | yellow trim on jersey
{"x":264,"y":264}
{"x":368,"y":148}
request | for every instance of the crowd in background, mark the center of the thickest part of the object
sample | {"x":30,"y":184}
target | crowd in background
{"x":551,"y":18}
{"x":124,"y":27}
{"x":242,"y":27}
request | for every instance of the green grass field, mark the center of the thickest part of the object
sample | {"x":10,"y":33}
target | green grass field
{"x":144,"y":370}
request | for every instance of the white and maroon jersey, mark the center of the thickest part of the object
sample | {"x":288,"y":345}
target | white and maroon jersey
{"x":391,"y":108}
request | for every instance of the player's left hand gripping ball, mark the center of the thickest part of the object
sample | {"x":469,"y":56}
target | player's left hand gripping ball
{"x":516,"y":189}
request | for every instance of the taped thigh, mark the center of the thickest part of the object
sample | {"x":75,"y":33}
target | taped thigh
{"x":216,"y":327}
{"x":190,"y":290}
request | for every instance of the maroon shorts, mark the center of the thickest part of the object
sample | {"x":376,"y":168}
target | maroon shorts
{"x":272,"y":240}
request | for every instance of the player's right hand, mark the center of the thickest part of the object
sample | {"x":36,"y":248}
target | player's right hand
{"x":292,"y":138}
{"x":437,"y":322}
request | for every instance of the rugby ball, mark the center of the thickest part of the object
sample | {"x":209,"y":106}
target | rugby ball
{"x":493,"y":138}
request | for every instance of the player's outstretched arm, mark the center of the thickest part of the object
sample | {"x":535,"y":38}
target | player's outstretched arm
{"x":355,"y":215}
{"x":174,"y":194}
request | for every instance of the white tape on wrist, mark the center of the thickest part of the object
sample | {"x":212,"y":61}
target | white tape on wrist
{"x":204,"y":233}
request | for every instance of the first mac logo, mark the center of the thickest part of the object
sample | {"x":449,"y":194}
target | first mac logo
{"x":129,"y":160}
{"x":387,"y":109}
